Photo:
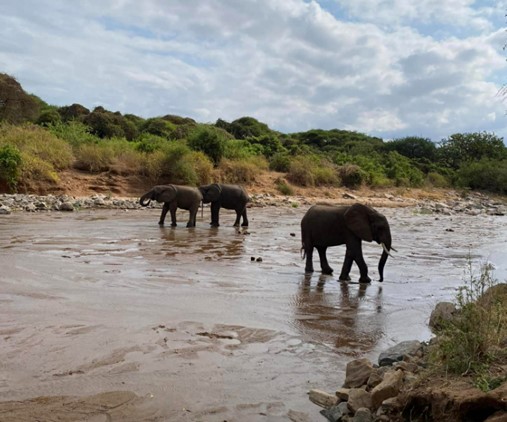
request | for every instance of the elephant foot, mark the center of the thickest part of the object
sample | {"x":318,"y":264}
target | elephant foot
{"x":308,"y":270}
{"x":173,"y":224}
{"x":244,"y":225}
{"x":214,"y":224}
{"x":327,"y":271}
{"x":161,"y":223}
{"x":344,"y":278}
{"x":364,"y":279}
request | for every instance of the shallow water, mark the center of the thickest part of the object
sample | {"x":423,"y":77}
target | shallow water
{"x":98,"y":301}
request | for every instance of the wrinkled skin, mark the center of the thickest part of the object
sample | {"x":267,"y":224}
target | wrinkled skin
{"x":173,"y":197}
{"x":231,"y":197}
{"x":324,"y":225}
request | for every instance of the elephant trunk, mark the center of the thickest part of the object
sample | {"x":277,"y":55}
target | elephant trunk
{"x":143,"y":202}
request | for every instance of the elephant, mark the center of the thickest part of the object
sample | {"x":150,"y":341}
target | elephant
{"x":327,"y":225}
{"x":231,"y":197}
{"x":173,"y":197}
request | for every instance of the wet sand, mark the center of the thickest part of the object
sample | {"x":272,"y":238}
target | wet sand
{"x":106,"y":316}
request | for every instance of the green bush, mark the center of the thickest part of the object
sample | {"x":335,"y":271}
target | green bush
{"x":210,"y":140}
{"x":42,"y":153}
{"x":242,"y":171}
{"x":488,"y":175}
{"x":469,"y":342}
{"x":10,"y":164}
{"x":372,"y":166}
{"x":73,"y":132}
{"x":437,"y":180}
{"x":400,"y":169}
{"x":280,"y":162}
{"x":352,"y":176}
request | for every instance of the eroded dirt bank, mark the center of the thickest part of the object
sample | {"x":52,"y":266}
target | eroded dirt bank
{"x":104,"y":315}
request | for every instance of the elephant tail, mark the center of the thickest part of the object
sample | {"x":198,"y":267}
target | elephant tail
{"x":303,"y":252}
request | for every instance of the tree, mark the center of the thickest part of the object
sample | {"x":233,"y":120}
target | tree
{"x":413,"y":147}
{"x":16,"y":106}
{"x":460,"y":148}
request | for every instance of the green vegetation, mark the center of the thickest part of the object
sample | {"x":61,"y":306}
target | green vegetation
{"x":472,"y":341}
{"x":171,"y":148}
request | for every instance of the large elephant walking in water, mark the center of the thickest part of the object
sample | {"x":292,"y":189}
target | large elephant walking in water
{"x":174,"y":197}
{"x":231,"y":197}
{"x":325,"y":225}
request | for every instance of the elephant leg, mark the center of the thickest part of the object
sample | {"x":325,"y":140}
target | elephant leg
{"x":192,"y":218}
{"x":245,"y":218}
{"x":165,"y":208}
{"x":309,"y":259}
{"x":238,"y":218}
{"x":215,"y":210}
{"x":173,"y":215}
{"x":326,"y":269}
{"x":363,"y":268}
{"x":347,"y":266}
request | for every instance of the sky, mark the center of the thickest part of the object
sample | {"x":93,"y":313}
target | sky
{"x":386,"y":68}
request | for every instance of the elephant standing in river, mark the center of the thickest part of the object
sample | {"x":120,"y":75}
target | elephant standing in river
{"x":326,"y":225}
{"x":231,"y":197}
{"x":173,"y":197}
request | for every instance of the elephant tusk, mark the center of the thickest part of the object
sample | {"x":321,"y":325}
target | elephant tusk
{"x":386,"y":250}
{"x":393,"y":249}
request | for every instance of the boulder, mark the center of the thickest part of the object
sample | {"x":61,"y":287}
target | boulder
{"x":336,"y":413}
{"x":358,"y":398}
{"x":363,"y":415}
{"x":389,"y":387}
{"x":399,"y":352}
{"x":323,"y":399}
{"x":357,"y":373}
{"x":444,"y":311}
{"x":4,"y":210}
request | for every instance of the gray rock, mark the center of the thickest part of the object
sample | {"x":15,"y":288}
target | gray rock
{"x":336,"y":413}
{"x":66,"y":206}
{"x":5,"y":210}
{"x":443,"y":312}
{"x":399,"y":352}
{"x":363,"y":415}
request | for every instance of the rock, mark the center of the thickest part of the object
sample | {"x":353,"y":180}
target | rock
{"x":363,"y":415}
{"x":375,"y":378}
{"x":30,"y":207}
{"x":358,"y":398}
{"x":343,"y":394}
{"x":66,"y":206}
{"x":335,"y":413}
{"x":357,"y":373}
{"x":5,"y":210}
{"x":323,"y":399}
{"x":389,"y":387}
{"x":499,"y":416}
{"x":99,"y":202}
{"x":443,"y":312}
{"x":348,"y":195}
{"x":399,"y":352}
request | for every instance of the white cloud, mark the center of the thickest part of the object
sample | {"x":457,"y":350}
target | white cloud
{"x":289,"y":63}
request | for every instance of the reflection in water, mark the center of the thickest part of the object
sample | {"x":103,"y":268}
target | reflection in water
{"x":349,"y":320}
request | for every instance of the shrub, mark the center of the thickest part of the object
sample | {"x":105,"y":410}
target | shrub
{"x":312,"y":171}
{"x":472,"y":339}
{"x":437,"y":180}
{"x":210,"y":140}
{"x":42,"y":153}
{"x":372,"y":165}
{"x":489,"y":175}
{"x":10,"y":163}
{"x":280,"y":162}
{"x":351,"y":175}
{"x":74,"y":132}
{"x":241,"y":171}
{"x":400,"y":169}
{"x":94,"y":157}
{"x":283,"y":187}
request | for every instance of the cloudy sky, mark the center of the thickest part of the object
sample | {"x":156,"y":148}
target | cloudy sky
{"x":388,"y":68}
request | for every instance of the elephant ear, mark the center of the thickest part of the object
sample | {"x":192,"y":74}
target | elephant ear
{"x":213,"y":193}
{"x":166,"y":193}
{"x":358,"y":221}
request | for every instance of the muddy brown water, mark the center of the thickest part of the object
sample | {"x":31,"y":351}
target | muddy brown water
{"x":147,"y":323}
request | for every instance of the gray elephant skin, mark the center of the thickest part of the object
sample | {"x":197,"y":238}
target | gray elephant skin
{"x":231,"y":197}
{"x":325,"y":225}
{"x":173,"y":197}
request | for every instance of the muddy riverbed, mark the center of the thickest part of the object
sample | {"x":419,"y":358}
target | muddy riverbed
{"x":106,"y":316}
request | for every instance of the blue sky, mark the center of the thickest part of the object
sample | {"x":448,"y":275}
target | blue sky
{"x":388,"y":68}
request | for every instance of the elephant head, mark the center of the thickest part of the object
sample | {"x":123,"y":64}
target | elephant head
{"x":210,"y":193}
{"x":161,"y":193}
{"x":369,"y":225}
